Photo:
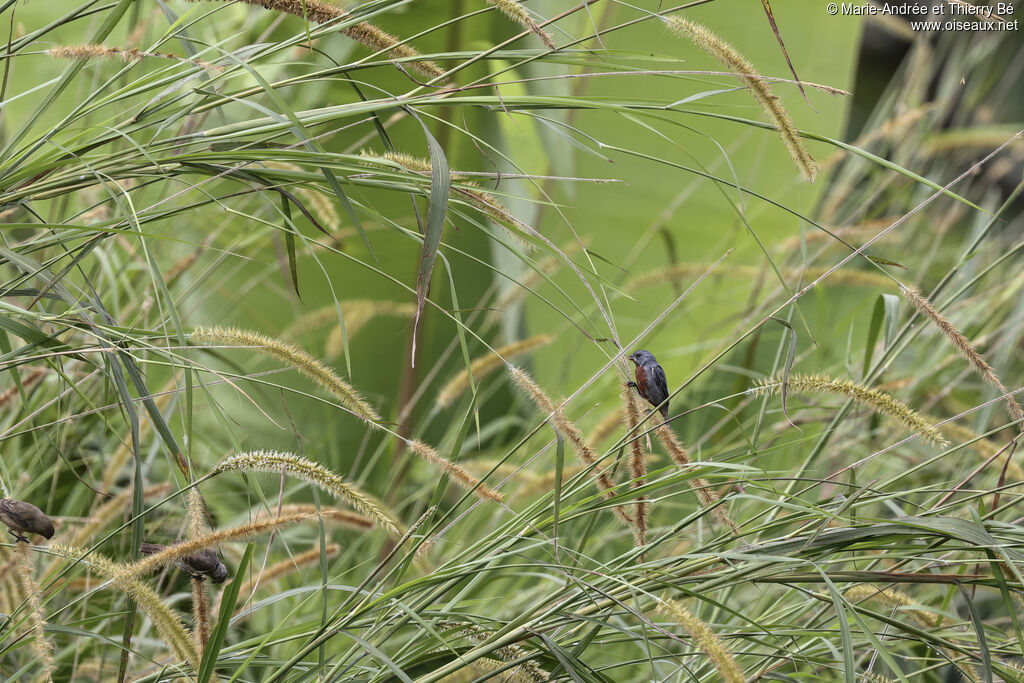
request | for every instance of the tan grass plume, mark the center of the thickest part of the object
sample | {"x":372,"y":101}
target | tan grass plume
{"x":313,"y":473}
{"x":892,"y":598}
{"x":320,"y":12}
{"x":517,"y":13}
{"x":27,"y":382}
{"x":530,"y":279}
{"x":879,"y":401}
{"x":118,"y":505}
{"x":684,"y":272}
{"x":486,"y":364}
{"x":611,"y":422}
{"x":704,"y":638}
{"x":984,"y":447}
{"x":458,"y":474}
{"x":468,"y":190}
{"x":572,"y":434}
{"x":965,"y":349}
{"x":150,"y":563}
{"x":355,"y":312}
{"x":321,"y":202}
{"x":126,"y":54}
{"x":711,"y":43}
{"x":168,"y":624}
{"x":345,"y":518}
{"x":292,"y":355}
{"x":29,"y":588}
{"x":288,"y":566}
{"x":702,"y":487}
{"x":528,"y":669}
{"x":195,"y":508}
{"x":637,"y":463}
{"x":113,"y":467}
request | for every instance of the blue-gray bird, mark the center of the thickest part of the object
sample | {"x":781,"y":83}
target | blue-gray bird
{"x":650,"y":380}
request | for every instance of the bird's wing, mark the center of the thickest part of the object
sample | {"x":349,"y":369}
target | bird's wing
{"x":660,"y":384}
{"x":203,"y":561}
{"x":16,"y":511}
{"x":151,"y":548}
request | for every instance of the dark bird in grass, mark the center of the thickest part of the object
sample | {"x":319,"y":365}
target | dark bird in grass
{"x":650,"y":380}
{"x":200,"y":564}
{"x":20,"y":516}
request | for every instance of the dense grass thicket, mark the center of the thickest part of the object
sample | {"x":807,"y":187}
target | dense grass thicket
{"x":346,"y":291}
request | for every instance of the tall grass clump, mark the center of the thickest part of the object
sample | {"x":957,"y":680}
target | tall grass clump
{"x":228,"y":228}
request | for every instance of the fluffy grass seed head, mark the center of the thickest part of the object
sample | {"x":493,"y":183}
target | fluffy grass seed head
{"x":711,"y":43}
{"x":878,"y":401}
{"x":892,"y":597}
{"x":608,"y":425}
{"x":704,"y":638}
{"x":126,"y":54}
{"x":30,"y":589}
{"x":358,"y":312}
{"x":320,"y":202}
{"x":637,"y":462}
{"x":517,"y":13}
{"x":964,"y":348}
{"x":292,"y":355}
{"x":457,"y":473}
{"x":168,"y":624}
{"x":702,"y":487}
{"x":571,"y":433}
{"x":365,"y":33}
{"x":313,"y":473}
{"x":486,"y":364}
{"x":288,"y":566}
{"x":684,"y":272}
{"x":81,"y":533}
{"x":345,"y":518}
{"x":176,"y":551}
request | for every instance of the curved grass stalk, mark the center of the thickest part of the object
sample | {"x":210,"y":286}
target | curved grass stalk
{"x":168,"y":624}
{"x":486,"y":364}
{"x":965,"y":349}
{"x":711,"y":43}
{"x":878,"y":401}
{"x":297,"y":358}
{"x":457,"y":473}
{"x":313,"y":473}
{"x":573,"y":436}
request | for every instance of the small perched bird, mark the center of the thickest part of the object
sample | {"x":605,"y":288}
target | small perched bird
{"x":650,"y":380}
{"x":198,"y":565}
{"x":21,"y":516}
